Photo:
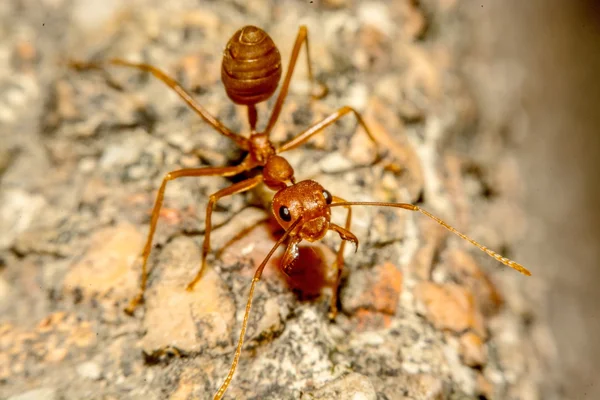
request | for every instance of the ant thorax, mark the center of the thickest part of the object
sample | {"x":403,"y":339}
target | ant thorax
{"x":261,"y":148}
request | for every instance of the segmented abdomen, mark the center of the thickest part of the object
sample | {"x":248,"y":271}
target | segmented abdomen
{"x":251,"y":66}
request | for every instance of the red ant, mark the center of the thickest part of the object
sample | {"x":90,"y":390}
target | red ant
{"x":251,"y":71}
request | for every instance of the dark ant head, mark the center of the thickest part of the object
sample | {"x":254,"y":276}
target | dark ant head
{"x":306,"y":199}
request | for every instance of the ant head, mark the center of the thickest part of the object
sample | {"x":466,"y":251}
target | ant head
{"x":306,"y":199}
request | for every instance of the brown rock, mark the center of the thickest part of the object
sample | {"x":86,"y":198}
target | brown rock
{"x":413,"y":20}
{"x":177,"y":318}
{"x":484,"y":386}
{"x":107,"y":270}
{"x":472,"y":350}
{"x":198,"y":71}
{"x":56,"y":337}
{"x":464,"y":269}
{"x":187,"y":384}
{"x":414,"y":386}
{"x":423,"y":386}
{"x":377,"y":289}
{"x":368,"y":320}
{"x":450,"y":306}
{"x":372,"y":296}
{"x":351,"y":386}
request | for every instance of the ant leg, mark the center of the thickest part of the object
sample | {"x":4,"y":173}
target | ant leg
{"x":236,"y":188}
{"x":256,"y":278}
{"x":219,"y":171}
{"x":242,"y":142}
{"x":346,"y":235}
{"x":301,"y":38}
{"x":303,"y":137}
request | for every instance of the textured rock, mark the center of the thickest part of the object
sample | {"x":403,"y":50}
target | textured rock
{"x":472,"y":350}
{"x":102,"y":143}
{"x":349,"y":387}
{"x":36,"y":394}
{"x":451,"y":307}
{"x":464,"y":269}
{"x":89,"y":370}
{"x":183,"y":320}
{"x":372,"y":296}
{"x":107,"y":270}
{"x":56,"y":338}
{"x":18,"y":210}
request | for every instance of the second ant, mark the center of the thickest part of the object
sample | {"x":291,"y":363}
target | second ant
{"x":251,"y":71}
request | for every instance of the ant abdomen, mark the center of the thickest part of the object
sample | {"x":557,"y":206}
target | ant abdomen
{"x":251,"y":66}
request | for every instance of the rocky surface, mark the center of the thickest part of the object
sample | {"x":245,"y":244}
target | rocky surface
{"x":82,"y":155}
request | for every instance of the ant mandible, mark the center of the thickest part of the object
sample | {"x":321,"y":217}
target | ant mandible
{"x":251,"y":71}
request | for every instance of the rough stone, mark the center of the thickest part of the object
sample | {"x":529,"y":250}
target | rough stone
{"x":18,"y":210}
{"x":107,"y":270}
{"x":472,"y":350}
{"x":177,"y":318}
{"x":415,"y":386}
{"x":89,"y":370}
{"x":34,"y":351}
{"x":373,"y":292}
{"x":349,"y":387}
{"x":463,"y":269}
{"x":449,"y":306}
{"x":36,"y":394}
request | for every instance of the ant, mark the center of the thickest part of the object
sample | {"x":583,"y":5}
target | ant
{"x":251,"y":71}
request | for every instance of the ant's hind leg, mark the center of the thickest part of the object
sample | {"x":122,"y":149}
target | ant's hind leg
{"x":225,"y":171}
{"x":242,"y":142}
{"x":301,"y":38}
{"x":318,"y":127}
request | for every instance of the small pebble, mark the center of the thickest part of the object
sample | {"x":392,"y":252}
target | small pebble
{"x":89,"y":370}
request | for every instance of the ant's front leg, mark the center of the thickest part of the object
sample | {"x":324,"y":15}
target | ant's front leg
{"x":290,"y":255}
{"x":346,"y":236}
{"x":209,"y":171}
{"x":236,"y":188}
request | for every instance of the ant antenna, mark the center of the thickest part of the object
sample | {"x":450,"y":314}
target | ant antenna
{"x":256,"y":278}
{"x":412,"y":207}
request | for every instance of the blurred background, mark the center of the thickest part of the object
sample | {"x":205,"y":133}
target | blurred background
{"x":552,"y":49}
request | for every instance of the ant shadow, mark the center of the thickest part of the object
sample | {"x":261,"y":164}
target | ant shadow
{"x":312,"y":272}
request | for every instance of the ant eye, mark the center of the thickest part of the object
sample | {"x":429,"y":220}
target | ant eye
{"x":328,"y":197}
{"x":285,"y":214}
